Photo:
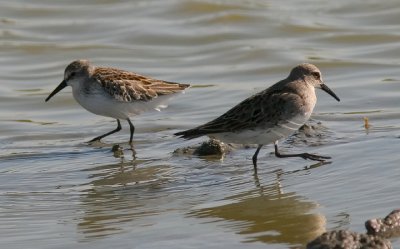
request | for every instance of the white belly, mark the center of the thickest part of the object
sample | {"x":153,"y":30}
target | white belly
{"x":103,"y":105}
{"x":263,"y":136}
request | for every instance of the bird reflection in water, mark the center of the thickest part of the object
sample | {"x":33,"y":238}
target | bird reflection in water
{"x":268,"y":214}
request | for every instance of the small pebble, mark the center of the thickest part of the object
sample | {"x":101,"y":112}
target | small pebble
{"x":117,"y":150}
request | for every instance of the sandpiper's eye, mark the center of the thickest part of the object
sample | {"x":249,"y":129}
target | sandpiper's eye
{"x":316,"y":75}
{"x":72,"y":74}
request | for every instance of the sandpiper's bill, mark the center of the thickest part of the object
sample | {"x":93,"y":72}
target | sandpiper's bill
{"x":115,"y":93}
{"x":269,"y":115}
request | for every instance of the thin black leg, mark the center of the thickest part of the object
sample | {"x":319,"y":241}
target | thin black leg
{"x":108,"y":133}
{"x":302,"y":155}
{"x":132,"y":128}
{"x":255,"y":157}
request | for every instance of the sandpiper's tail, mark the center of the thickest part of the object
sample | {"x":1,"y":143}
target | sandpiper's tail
{"x":183,"y":86}
{"x":166,"y":87}
{"x":190,"y":134}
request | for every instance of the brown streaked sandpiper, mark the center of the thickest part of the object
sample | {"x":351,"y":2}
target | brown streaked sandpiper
{"x":269,"y":115}
{"x":115,"y":93}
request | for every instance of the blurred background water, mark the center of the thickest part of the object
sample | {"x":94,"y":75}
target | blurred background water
{"x":58,"y":192}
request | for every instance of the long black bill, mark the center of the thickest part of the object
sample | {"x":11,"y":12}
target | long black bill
{"x":62,"y":85}
{"x":329,"y":91}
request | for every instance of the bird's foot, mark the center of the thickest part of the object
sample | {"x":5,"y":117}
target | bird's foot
{"x":315,"y":157}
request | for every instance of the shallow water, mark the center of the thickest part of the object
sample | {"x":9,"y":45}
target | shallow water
{"x":58,"y":192}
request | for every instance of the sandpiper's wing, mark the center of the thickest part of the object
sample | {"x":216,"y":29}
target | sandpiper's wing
{"x":128,"y":86}
{"x":266,"y":109}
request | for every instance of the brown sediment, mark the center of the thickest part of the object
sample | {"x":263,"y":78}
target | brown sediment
{"x":366,"y":123}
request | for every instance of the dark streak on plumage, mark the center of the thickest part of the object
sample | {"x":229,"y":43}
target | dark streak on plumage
{"x":237,"y":118}
{"x":128,"y":86}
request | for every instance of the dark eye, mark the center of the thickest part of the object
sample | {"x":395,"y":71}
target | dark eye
{"x":316,"y":75}
{"x":72,"y":75}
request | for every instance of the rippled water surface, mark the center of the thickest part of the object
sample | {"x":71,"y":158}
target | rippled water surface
{"x":58,"y":192}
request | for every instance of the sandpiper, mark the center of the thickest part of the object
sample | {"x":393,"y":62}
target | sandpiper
{"x":269,"y":115}
{"x":115,"y":93}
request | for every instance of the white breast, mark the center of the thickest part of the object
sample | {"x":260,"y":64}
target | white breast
{"x":263,"y":136}
{"x":102,"y":104}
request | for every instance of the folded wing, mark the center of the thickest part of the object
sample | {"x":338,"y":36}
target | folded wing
{"x":128,"y":86}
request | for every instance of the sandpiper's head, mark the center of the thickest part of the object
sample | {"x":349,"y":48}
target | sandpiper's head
{"x":73,"y":74}
{"x":77,"y":69}
{"x":310,"y":74}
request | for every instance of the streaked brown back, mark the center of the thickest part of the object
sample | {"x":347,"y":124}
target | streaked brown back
{"x":128,"y":86}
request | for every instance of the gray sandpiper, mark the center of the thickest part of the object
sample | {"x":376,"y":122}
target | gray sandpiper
{"x":269,"y":115}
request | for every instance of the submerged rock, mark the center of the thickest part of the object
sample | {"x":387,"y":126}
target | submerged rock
{"x":344,"y":239}
{"x":378,"y":230}
{"x":312,"y":133}
{"x":312,"y":129}
{"x":387,"y":227}
{"x":211,"y":147}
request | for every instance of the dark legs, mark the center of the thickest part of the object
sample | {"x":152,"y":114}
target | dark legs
{"x":109,"y":133}
{"x":132,"y":128}
{"x":116,"y":130}
{"x":277,"y":154}
{"x":255,"y":157}
{"x":302,"y":155}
